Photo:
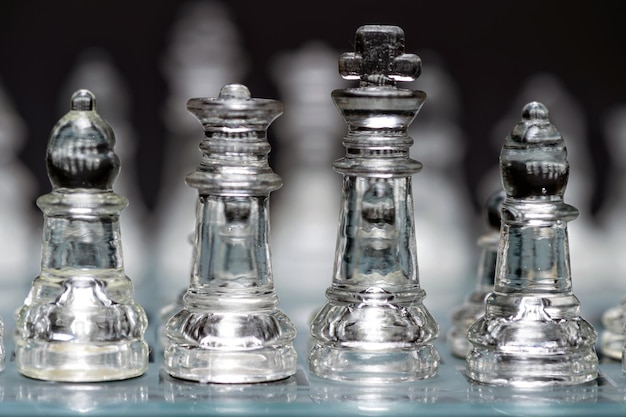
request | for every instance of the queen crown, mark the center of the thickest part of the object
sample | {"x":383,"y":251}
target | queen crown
{"x":235,"y":149}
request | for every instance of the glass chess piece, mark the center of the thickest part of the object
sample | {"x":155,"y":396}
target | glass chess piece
{"x":204,"y":53}
{"x":80,"y":322}
{"x":17,"y":217}
{"x":374,"y":326}
{"x":474,"y":306}
{"x":531,"y":333}
{"x":613,"y":226}
{"x":442,"y":225}
{"x":613,"y":337}
{"x":306,"y":136}
{"x":230,"y":329}
{"x":17,"y":223}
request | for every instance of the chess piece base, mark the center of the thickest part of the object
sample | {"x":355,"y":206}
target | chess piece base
{"x":266,"y":364}
{"x":397,"y":347}
{"x":501,"y":368}
{"x":612,"y":344}
{"x":613,"y":338}
{"x":532,"y":348}
{"x":81,"y":362}
{"x":370,"y":366}
{"x":230,"y":346}
{"x":457,"y":341}
{"x":462,"y":319}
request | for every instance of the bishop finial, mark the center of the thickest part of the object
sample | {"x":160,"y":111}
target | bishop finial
{"x":541,"y":170}
{"x":379,"y":57}
{"x":83,"y":100}
{"x":80,"y":151}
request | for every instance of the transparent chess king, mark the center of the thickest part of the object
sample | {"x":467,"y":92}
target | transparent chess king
{"x":531,"y":333}
{"x":230,"y":329}
{"x":374,"y":326}
{"x":80,"y":322}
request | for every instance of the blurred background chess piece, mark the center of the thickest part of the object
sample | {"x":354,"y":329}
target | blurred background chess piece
{"x":306,"y":208}
{"x":202,"y":54}
{"x":20,"y":247}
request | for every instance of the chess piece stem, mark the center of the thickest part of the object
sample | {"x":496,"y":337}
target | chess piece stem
{"x":531,"y":333}
{"x":80,"y":322}
{"x":374,"y":326}
{"x":230,"y":329}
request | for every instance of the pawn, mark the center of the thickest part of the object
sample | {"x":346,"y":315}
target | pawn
{"x":80,"y":322}
{"x":613,"y":223}
{"x":474,"y":307}
{"x":229,"y":329}
{"x":531,"y":333}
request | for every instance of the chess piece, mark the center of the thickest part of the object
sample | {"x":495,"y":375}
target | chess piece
{"x":374,"y":326}
{"x":441,"y":223}
{"x":613,"y":225}
{"x":230,"y":329}
{"x":474,"y":306}
{"x":589,"y":268}
{"x":80,"y":322}
{"x":613,"y":336}
{"x":306,"y":135}
{"x":18,"y":219}
{"x":204,"y":53}
{"x":17,"y":222}
{"x":531,"y":333}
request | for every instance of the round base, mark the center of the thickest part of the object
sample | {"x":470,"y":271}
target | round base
{"x":345,"y":364}
{"x":613,"y":338}
{"x":81,"y":362}
{"x":458,"y":342}
{"x":270,"y":363}
{"x":525,"y":370}
{"x":612,"y":344}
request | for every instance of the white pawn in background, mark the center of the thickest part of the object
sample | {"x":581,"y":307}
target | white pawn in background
{"x":446,"y":253}
{"x":203,"y":54}
{"x":20,"y":227}
{"x":611,"y":215}
{"x":585,"y":240}
{"x":305,"y":211}
{"x":95,"y":70}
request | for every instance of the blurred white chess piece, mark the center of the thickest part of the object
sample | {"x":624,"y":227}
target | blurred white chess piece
{"x":446,"y":252}
{"x":569,"y":117}
{"x":305,"y":211}
{"x":611,"y":216}
{"x":95,"y":70}
{"x":20,"y":227}
{"x":203,"y":54}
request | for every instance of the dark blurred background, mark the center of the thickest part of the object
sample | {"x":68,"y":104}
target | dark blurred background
{"x":489,"y":48}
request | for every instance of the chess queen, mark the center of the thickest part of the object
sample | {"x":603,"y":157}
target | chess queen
{"x":80,"y":322}
{"x":229,"y":329}
{"x":531,"y":333}
{"x":374,"y":326}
